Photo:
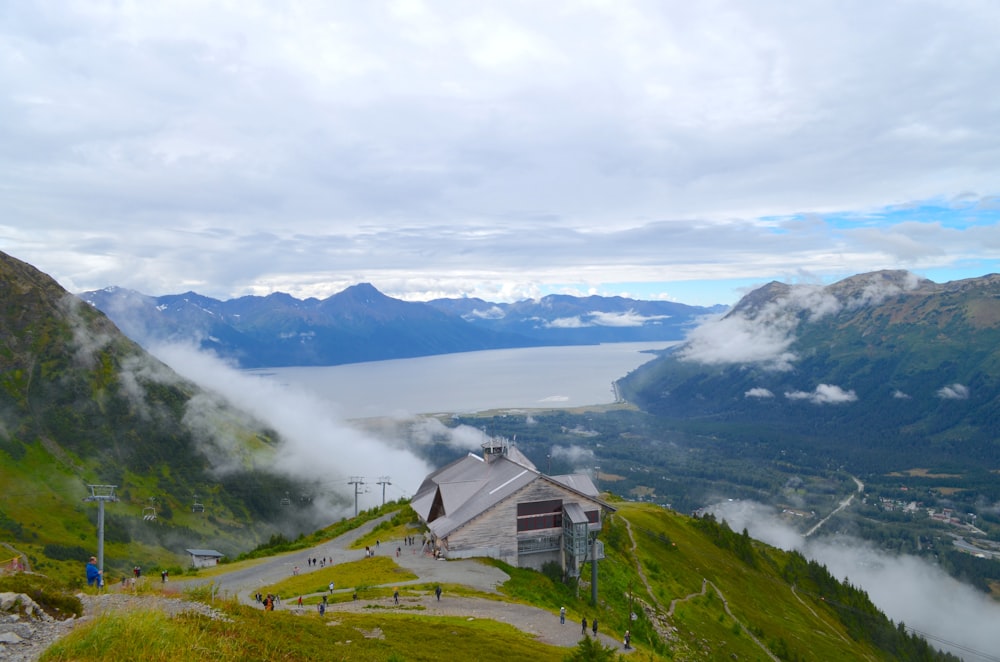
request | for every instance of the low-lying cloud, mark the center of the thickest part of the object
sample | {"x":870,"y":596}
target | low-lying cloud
{"x":599,"y":318}
{"x":824,"y":394}
{"x":906,"y":588}
{"x":316,"y":445}
{"x":579,"y":458}
{"x":764,"y":334}
{"x":738,"y":339}
{"x":953,"y":392}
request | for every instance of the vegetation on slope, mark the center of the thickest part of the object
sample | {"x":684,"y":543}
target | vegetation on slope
{"x":80,"y":404}
{"x":699,"y":591}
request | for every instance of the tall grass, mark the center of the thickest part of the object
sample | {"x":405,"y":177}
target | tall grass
{"x":153,"y":636}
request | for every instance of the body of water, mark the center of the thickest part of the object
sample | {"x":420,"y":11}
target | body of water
{"x":537,"y":377}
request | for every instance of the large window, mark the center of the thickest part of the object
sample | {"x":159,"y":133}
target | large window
{"x":537,"y":515}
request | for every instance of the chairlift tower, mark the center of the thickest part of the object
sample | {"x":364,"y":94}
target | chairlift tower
{"x":383,"y":481}
{"x":101,"y":494}
{"x":149,"y":512}
{"x":357,"y":482}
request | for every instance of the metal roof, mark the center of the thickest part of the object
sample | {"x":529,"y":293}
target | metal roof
{"x":204,"y":552}
{"x":579,"y":482}
{"x":470,"y":485}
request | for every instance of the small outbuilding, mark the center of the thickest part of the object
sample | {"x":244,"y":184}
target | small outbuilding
{"x":501,"y":506}
{"x":204,"y":558}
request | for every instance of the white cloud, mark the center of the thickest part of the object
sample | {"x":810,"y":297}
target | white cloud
{"x":953,"y":392}
{"x":907,"y":589}
{"x":598,"y":318}
{"x":823,"y":394}
{"x":317,"y":444}
{"x":489,"y":149}
{"x":758,"y":392}
{"x":738,"y":339}
{"x":578,"y":457}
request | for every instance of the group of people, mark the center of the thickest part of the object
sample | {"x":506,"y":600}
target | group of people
{"x":627,"y":641}
{"x":269,"y":601}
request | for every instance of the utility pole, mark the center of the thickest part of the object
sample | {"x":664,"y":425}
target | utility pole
{"x":383,"y":481}
{"x":357,"y":482}
{"x":593,"y":571}
{"x":100,"y":494}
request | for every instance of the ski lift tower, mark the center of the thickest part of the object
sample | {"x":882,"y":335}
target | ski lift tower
{"x":383,"y":481}
{"x":357,"y":482}
{"x":101,"y":494}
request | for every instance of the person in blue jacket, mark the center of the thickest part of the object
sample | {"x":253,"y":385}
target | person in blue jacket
{"x":93,"y":573}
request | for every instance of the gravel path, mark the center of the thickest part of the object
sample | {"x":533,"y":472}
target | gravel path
{"x":30,"y":638}
{"x":466,"y":572}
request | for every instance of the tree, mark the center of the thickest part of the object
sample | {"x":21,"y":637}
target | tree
{"x":591,"y":650}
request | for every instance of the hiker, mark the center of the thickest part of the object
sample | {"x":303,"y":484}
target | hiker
{"x":300,"y":602}
{"x":163,"y":576}
{"x":437,"y":592}
{"x":562,"y":615}
{"x":628,"y":640}
{"x":94,"y":573}
{"x":331,"y":588}
{"x":395,"y":595}
{"x":583,"y":625}
{"x":594,"y":626}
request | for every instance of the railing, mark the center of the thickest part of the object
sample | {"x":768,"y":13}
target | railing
{"x":538,"y":544}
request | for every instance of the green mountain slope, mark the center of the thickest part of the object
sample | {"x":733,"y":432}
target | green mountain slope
{"x":880,"y":371}
{"x":699,"y":591}
{"x":81,"y":404}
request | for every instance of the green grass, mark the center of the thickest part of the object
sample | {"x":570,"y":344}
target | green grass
{"x":154,"y":637}
{"x":747,"y":595}
{"x":362,"y":573}
{"x":390,"y":532}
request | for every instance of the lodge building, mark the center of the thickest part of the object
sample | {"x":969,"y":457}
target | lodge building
{"x":500,"y":506}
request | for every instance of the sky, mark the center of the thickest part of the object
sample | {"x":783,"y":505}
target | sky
{"x":505,"y":150}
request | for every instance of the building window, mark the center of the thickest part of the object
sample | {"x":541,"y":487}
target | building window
{"x":537,"y":515}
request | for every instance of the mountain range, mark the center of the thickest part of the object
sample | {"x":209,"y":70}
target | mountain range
{"x":880,"y":371}
{"x":83,"y":405}
{"x":362,"y":324}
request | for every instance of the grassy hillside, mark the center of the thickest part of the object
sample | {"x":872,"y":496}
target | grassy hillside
{"x":81,"y":404}
{"x":699,"y":590}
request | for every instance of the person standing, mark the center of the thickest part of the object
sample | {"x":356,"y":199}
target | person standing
{"x":562,"y":615}
{"x":594,"y":626}
{"x":437,"y":592}
{"x":94,"y":573}
{"x":395,"y":595}
{"x":583,"y":625}
{"x":628,"y":640}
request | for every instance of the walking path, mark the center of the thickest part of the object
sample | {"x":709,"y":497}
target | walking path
{"x":544,"y":625}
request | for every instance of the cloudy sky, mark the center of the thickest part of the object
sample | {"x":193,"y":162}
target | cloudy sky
{"x":660,"y":149}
